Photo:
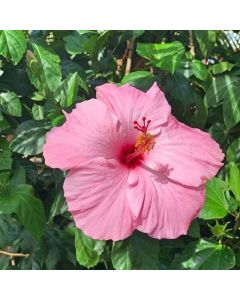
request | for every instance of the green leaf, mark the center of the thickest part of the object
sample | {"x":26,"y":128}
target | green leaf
{"x":231,"y":107}
{"x":140,"y":79}
{"x":66,"y":93}
{"x":38,"y":112}
{"x":4,"y":124}
{"x":8,"y":201}
{"x":88,"y":251}
{"x":138,"y":252}
{"x":206,"y":255}
{"x":233,"y":151}
{"x":54,"y":112}
{"x":164,"y":56}
{"x":200,"y":71}
{"x":19,"y":175}
{"x":226,"y":89}
{"x":159,"y":51}
{"x":10,"y":104}
{"x":206,"y":40}
{"x":78,"y":42}
{"x":29,"y":210}
{"x":221,"y":67}
{"x":220,"y":89}
{"x":43,"y":69}
{"x":234,"y":181}
{"x":187,"y":105}
{"x":194,"y":229}
{"x":9,"y":231}
{"x":59,"y":206}
{"x":30,"y":137}
{"x":215,"y":206}
{"x":12,"y":44}
{"x":20,"y":199}
{"x":219,"y":133}
{"x":5,"y":155}
{"x":98,"y":45}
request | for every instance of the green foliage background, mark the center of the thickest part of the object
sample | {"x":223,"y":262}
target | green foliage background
{"x":43,"y":72}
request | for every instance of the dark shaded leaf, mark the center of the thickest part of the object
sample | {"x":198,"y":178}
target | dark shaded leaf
{"x":138,"y":252}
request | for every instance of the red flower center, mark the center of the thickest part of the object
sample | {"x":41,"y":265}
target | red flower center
{"x":133,"y":155}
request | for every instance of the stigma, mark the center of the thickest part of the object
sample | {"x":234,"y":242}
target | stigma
{"x":145,"y":141}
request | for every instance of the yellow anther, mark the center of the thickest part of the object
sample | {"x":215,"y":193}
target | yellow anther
{"x":144,"y":143}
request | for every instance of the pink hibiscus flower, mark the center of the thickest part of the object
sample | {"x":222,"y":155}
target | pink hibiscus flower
{"x":131,"y":164}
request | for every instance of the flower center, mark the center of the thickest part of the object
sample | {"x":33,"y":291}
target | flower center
{"x":132,"y":155}
{"x":145,"y":141}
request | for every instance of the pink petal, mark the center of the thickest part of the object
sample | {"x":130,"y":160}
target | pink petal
{"x":130,"y":104}
{"x":190,"y":155}
{"x":165,"y":209}
{"x":96,"y":197}
{"x":89,"y":131}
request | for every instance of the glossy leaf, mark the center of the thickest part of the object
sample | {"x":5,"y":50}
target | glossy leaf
{"x":88,"y":251}
{"x":140,"y":79}
{"x":38,"y":112}
{"x":206,"y":40}
{"x":29,"y":137}
{"x":215,"y":206}
{"x":10,"y":104}
{"x":199,"y":70}
{"x":164,"y":56}
{"x":43,"y":69}
{"x":234,"y":181}
{"x":80,"y":41}
{"x":66,"y":93}
{"x":220,"y":89}
{"x":206,"y":255}
{"x":221,"y":67}
{"x":12,"y":44}
{"x":231,"y":107}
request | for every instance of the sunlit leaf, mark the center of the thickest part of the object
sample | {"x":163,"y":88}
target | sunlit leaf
{"x":215,"y":206}
{"x":12,"y":44}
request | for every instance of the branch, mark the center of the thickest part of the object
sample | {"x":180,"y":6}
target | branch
{"x":131,"y":44}
{"x":120,"y":62}
{"x":12,"y":254}
{"x":191,"y":44}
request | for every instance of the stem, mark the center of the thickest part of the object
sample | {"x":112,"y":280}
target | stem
{"x":191,"y":44}
{"x":12,"y":254}
{"x":120,"y":61}
{"x":131,"y":44}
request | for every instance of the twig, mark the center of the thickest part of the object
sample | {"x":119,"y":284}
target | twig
{"x":191,"y":44}
{"x":120,"y":62}
{"x":131,"y":44}
{"x":12,"y":254}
